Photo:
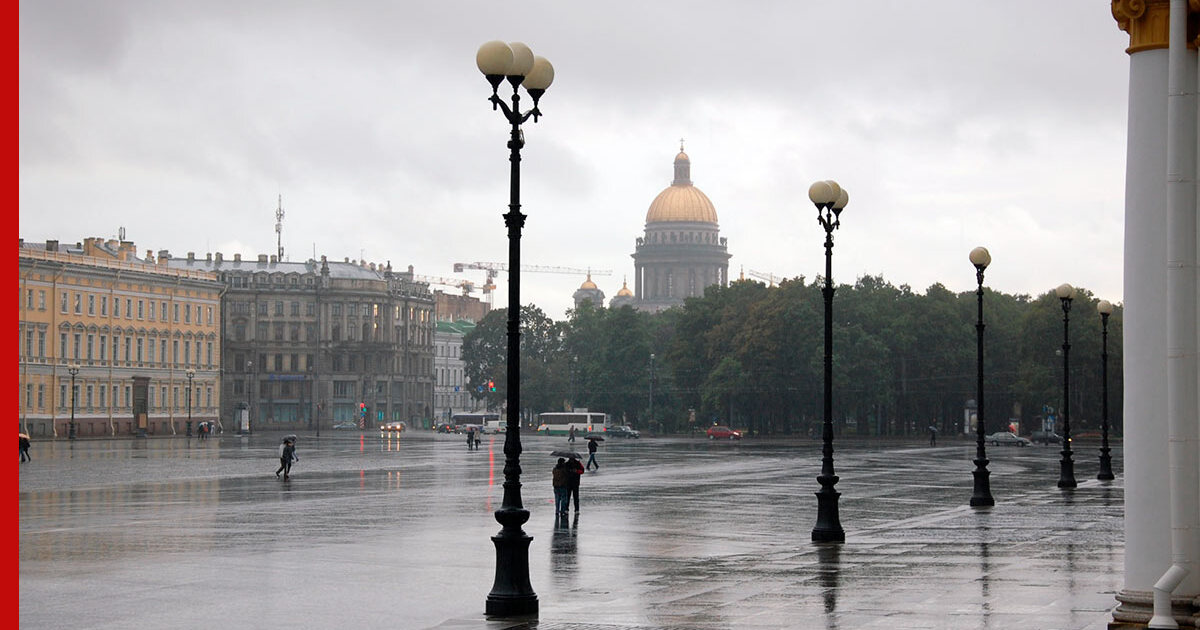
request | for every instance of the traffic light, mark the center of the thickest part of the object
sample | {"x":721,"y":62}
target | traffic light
{"x":362,"y":410}
{"x":491,"y":386}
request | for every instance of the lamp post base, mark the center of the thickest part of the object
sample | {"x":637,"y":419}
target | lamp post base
{"x":1066,"y":475}
{"x":828,"y":527}
{"x":982,"y":495}
{"x":512,"y":595}
{"x":1106,"y":473}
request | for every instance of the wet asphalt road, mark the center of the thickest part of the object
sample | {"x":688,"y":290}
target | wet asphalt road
{"x":674,"y":533}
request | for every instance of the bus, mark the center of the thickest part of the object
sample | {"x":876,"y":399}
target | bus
{"x":487,"y":422}
{"x":560,"y":422}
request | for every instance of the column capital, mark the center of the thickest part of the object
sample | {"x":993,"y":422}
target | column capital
{"x":1148,"y":23}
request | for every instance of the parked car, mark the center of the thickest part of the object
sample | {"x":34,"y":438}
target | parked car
{"x":447,"y":428}
{"x":623,"y":431}
{"x":1046,"y":437}
{"x":347,"y":424}
{"x":1006,"y":438}
{"x":392,"y":428}
{"x":719,"y":432}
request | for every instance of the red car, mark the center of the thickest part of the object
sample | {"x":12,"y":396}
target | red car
{"x":723,"y":433}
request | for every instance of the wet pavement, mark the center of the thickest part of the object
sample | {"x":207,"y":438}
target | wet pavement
{"x":674,"y":533}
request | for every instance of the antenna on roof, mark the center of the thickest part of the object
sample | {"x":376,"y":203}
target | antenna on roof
{"x":279,"y":227}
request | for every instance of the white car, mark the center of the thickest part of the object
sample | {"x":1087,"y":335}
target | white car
{"x":1006,"y":438}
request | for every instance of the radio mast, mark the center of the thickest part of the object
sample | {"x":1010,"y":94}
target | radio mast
{"x":279,"y":227}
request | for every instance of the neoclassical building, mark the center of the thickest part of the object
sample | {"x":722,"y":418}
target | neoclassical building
{"x":112,"y":344}
{"x":682,"y":251}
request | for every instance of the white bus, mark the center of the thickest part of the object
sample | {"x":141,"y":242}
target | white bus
{"x":560,"y":422}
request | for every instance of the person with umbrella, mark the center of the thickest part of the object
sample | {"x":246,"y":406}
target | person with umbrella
{"x":592,"y":446}
{"x":558,"y":479}
{"x":24,"y":445}
{"x":287,"y":455}
{"x":574,"y":474}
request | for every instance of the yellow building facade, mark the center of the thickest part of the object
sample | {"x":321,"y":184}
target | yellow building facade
{"x":113,"y":345}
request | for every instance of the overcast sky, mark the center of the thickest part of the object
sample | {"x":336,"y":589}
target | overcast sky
{"x":951,"y":123}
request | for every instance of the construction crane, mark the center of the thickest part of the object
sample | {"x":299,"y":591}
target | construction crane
{"x":771,"y":278}
{"x":492,"y":268}
{"x":466,"y":285}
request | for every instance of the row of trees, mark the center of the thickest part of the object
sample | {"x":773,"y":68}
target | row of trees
{"x":751,"y":356}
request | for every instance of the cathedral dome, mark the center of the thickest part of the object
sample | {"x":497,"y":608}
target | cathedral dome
{"x":588,"y":284}
{"x":624,"y":292}
{"x":682,"y":201}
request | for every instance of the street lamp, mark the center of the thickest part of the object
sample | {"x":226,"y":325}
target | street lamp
{"x":72,"y":370}
{"x":512,"y":595}
{"x":250,"y":383}
{"x":1105,"y":308}
{"x":830,"y":199}
{"x":651,"y":390}
{"x":1066,"y":477}
{"x":982,"y":495}
{"x":191,"y":374}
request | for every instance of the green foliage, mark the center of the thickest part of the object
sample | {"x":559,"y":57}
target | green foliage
{"x":752,"y":356}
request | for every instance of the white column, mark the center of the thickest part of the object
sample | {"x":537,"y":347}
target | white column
{"x":1182,"y":409}
{"x":1147,"y":500}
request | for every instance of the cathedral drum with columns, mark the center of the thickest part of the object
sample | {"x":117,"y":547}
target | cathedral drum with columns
{"x":682,"y":251}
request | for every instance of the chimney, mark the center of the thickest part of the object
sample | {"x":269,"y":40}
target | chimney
{"x":149,"y":255}
{"x":262,"y":258}
{"x":208,"y":257}
{"x":274,"y":259}
{"x":237,"y":258}
{"x":191,"y":257}
{"x":219,"y":258}
{"x":164,"y":256}
{"x":51,"y":246}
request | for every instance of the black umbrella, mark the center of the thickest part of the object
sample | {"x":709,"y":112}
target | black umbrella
{"x":596,"y":437}
{"x":571,"y":454}
{"x":288,"y":438}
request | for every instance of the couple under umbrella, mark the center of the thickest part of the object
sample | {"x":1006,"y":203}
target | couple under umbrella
{"x":287,"y":455}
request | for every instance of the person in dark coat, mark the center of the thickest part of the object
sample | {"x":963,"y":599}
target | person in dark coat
{"x":574,"y":473}
{"x":24,"y":444}
{"x":470,"y":439}
{"x":592,"y":446}
{"x":286,"y":457}
{"x":558,"y":479}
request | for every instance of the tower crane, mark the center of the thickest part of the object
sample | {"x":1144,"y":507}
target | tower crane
{"x":771,"y":278}
{"x":466,"y":285}
{"x":492,"y":268}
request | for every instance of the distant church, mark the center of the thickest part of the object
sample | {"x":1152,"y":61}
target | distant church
{"x":681,"y":253}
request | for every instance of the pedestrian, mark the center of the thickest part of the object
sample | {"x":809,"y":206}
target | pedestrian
{"x":470,"y":439}
{"x":287,"y":455}
{"x":574,"y":474}
{"x":558,"y":479}
{"x":571,"y":434}
{"x":24,"y":444}
{"x":592,"y":446}
{"x":932,"y":435}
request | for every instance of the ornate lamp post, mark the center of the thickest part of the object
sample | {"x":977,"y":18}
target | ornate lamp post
{"x":250,"y":384}
{"x":982,"y":495}
{"x":191,"y":374}
{"x":651,"y":391}
{"x":1066,"y":477}
{"x":72,"y":370}
{"x":830,"y":199}
{"x":512,"y":595}
{"x":1105,"y":308}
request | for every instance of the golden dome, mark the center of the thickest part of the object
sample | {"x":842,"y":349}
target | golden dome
{"x":624,"y":292}
{"x":681,"y":201}
{"x":588,"y":284}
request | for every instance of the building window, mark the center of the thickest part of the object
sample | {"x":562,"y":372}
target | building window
{"x":310,"y":309}
{"x":76,"y":346}
{"x":295,"y":309}
{"x":262,"y":308}
{"x":279,"y":308}
{"x":210,"y":316}
{"x":162,"y":355}
{"x":279,"y":363}
{"x":208,"y":358}
{"x":91,"y":344}
{"x":151,"y":314}
{"x":175,"y":308}
{"x":140,"y":351}
{"x":187,"y":314}
{"x":335,"y":309}
{"x":150,"y":350}
{"x":141,"y":309}
{"x":41,"y":344}
{"x":91,"y":304}
{"x":128,"y":347}
{"x":175,"y":352}
{"x":128,"y":308}
{"x":78,"y":303}
{"x":103,"y":348}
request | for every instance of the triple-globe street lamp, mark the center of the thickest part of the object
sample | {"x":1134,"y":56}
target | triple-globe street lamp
{"x":1105,"y":309}
{"x":72,"y":370}
{"x":1066,"y":477}
{"x":982,"y":494}
{"x":191,"y":374}
{"x":512,"y":595}
{"x":830,"y":199}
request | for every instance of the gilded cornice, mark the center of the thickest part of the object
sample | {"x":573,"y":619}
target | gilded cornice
{"x":1148,"y":23}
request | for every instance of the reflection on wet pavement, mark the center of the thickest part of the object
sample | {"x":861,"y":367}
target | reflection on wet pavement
{"x":673,"y":533}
